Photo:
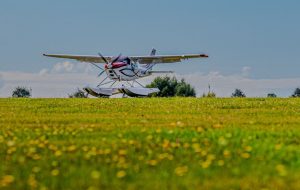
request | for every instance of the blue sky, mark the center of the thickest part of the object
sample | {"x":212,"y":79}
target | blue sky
{"x":263,"y":36}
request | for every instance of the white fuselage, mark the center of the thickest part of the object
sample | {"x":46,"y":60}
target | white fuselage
{"x":120,"y":71}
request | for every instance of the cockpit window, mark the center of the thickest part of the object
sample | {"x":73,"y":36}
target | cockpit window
{"x":127,"y":61}
{"x":134,"y":65}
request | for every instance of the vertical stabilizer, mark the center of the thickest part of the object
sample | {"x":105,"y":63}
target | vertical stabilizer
{"x":153,"y":52}
{"x":150,"y":65}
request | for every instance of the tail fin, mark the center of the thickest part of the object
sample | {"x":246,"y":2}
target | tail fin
{"x":150,"y":65}
{"x":153,"y":52}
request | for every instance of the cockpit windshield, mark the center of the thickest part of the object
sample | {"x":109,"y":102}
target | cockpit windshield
{"x":126,"y":60}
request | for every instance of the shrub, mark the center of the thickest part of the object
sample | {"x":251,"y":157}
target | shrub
{"x":78,"y":94}
{"x":170,"y":87}
{"x":238,"y":93}
{"x":271,"y":95}
{"x":296,"y":93}
{"x":21,"y":92}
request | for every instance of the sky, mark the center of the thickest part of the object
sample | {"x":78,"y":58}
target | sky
{"x":253,"y":45}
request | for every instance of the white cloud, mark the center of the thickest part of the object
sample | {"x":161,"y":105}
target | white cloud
{"x":246,"y":71}
{"x":68,"y":67}
{"x":63,"y":67}
{"x":43,"y":72}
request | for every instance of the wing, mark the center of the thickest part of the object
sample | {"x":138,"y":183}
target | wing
{"x":165,"y":58}
{"x":82,"y":58}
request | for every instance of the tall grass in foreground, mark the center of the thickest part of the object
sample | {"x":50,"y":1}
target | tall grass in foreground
{"x":154,"y":143}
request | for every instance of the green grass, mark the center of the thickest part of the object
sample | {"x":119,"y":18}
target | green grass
{"x":154,"y":143}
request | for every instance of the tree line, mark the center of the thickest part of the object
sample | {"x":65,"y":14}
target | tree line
{"x":169,"y":87}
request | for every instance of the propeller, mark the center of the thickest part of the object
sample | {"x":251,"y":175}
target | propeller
{"x":103,"y":58}
{"x":109,"y":64}
{"x":114,"y":60}
{"x":101,"y":73}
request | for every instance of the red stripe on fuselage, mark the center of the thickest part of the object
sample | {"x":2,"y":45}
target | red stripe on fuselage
{"x":116,"y":65}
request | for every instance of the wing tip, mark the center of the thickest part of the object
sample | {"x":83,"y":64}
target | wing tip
{"x":204,"y":55}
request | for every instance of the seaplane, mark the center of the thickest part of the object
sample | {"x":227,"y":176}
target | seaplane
{"x":125,"y":69}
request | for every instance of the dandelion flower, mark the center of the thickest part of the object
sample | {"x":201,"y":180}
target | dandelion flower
{"x":152,"y":162}
{"x":8,"y":179}
{"x":245,"y":155}
{"x":181,"y":171}
{"x":121,"y":174}
{"x":55,"y":172}
{"x":58,"y":153}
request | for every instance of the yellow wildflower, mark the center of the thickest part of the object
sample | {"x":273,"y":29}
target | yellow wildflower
{"x":32,"y":182}
{"x":245,"y":155}
{"x":58,"y":153}
{"x":121,"y":174}
{"x":122,"y":152}
{"x":217,"y":126}
{"x":152,"y":162}
{"x":71,"y":148}
{"x":181,"y":171}
{"x":10,"y":143}
{"x":226,"y":153}
{"x":55,"y":172}
{"x":248,"y":148}
{"x":8,"y":179}
{"x":206,"y":164}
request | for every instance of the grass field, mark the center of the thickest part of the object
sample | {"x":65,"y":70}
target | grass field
{"x":154,"y":143}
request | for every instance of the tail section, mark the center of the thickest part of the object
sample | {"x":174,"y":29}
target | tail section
{"x":150,"y":65}
{"x":153,"y":52}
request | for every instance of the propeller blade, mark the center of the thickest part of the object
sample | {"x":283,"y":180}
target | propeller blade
{"x":101,"y":73}
{"x":104,"y":59}
{"x":116,"y":59}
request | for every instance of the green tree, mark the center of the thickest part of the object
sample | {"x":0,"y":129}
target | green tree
{"x":170,"y":87}
{"x":21,"y":92}
{"x":78,"y":94}
{"x":184,"y":89}
{"x":272,"y":95}
{"x":238,"y":93}
{"x":296,"y":93}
